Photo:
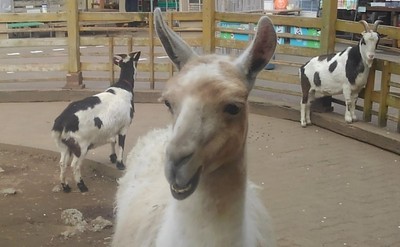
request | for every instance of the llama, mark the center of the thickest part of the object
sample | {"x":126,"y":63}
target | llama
{"x":206,"y":198}
{"x":97,"y":120}
{"x":345,"y":72}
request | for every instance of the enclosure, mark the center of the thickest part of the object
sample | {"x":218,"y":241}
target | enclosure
{"x":81,"y":46}
{"x":322,"y":189}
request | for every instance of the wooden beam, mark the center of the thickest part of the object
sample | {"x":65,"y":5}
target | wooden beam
{"x":25,"y":17}
{"x":35,"y":67}
{"x":33,"y":42}
{"x":112,"y":16}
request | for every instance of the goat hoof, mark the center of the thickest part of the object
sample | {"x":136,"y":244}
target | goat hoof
{"x":82,"y":187}
{"x":113,"y":158}
{"x":120,"y":166}
{"x":66,"y":188}
{"x":304,"y":124}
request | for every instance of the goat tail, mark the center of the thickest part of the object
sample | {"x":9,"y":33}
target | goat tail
{"x":57,"y":138}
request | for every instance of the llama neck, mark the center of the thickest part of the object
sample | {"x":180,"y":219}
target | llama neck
{"x":219,"y":192}
{"x":224,"y":186}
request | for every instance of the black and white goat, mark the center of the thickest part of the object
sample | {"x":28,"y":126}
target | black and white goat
{"x":95,"y":121}
{"x":345,"y":72}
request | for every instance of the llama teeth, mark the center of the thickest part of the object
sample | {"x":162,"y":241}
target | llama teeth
{"x":181,"y":190}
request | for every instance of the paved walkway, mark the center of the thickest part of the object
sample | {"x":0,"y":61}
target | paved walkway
{"x":321,"y":189}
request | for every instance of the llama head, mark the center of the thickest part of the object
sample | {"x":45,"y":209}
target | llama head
{"x":208,"y":101}
{"x":128,"y":64}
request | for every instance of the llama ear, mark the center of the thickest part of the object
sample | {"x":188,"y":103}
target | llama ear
{"x":260,"y":51}
{"x":177,"y":49}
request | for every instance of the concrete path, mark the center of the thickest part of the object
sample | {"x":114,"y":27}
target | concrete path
{"x":321,"y":189}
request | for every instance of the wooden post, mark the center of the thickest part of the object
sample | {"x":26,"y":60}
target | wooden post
{"x":328,"y":30}
{"x":398,"y":122}
{"x":327,"y":39}
{"x":74,"y":75}
{"x":130,"y":44}
{"x":383,"y":106}
{"x":183,"y":5}
{"x":101,"y":4}
{"x":111,"y":59}
{"x":208,"y":26}
{"x":369,"y":88}
{"x":151,"y":50}
{"x":3,"y":35}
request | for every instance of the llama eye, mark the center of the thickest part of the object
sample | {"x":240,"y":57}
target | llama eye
{"x":232,"y":109}
{"x":166,"y":102}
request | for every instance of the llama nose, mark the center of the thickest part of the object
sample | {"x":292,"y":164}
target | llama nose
{"x":182,"y":160}
{"x":177,"y":168}
{"x":371,"y":56}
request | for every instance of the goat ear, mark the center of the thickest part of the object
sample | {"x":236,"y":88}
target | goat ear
{"x":177,"y":49}
{"x":135,"y":55}
{"x":260,"y":51}
{"x":382,"y":35}
{"x":117,"y":58}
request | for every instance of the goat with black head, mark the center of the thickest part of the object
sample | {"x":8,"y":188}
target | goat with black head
{"x":97,"y":120}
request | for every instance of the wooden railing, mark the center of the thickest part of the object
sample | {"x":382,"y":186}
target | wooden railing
{"x":386,"y":94}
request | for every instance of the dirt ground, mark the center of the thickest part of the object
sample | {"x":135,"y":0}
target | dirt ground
{"x":32,"y":216}
{"x":320,"y":188}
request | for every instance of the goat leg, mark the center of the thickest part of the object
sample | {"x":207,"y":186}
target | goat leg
{"x":113,"y":156}
{"x":82,"y":187}
{"x":121,"y":144}
{"x":76,"y":166}
{"x":66,"y":187}
{"x":65,"y":155}
{"x":303,"y":115}
{"x":348,"y":101}
{"x":354,"y":98}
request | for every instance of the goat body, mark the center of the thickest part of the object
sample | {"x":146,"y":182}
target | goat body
{"x":206,"y":198}
{"x":345,"y":72}
{"x":96,"y":120}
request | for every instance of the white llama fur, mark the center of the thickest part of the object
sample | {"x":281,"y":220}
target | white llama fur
{"x":145,"y":187}
{"x":206,"y":199}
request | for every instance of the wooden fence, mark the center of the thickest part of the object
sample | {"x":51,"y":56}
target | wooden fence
{"x":201,"y":30}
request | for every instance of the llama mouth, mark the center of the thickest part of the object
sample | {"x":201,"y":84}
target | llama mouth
{"x":182,"y":192}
